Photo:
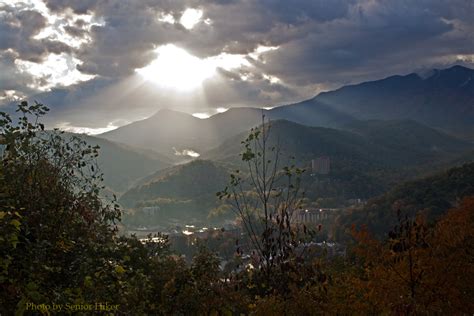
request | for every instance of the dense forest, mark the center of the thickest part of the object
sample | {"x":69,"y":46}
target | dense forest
{"x":366,"y":160}
{"x":61,"y":252}
{"x":430,"y":196}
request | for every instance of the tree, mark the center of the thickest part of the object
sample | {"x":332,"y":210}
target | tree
{"x":59,"y":234}
{"x":265,"y":197}
{"x":421,"y":268}
{"x":59,"y":230}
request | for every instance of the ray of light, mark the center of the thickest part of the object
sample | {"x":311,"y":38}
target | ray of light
{"x":176,"y":69}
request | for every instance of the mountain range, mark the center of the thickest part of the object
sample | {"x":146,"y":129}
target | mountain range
{"x":377,"y":135}
{"x":365,"y":161}
{"x":443,"y":99}
{"x":122,"y":165}
{"x":372,"y":143}
{"x":430,"y":196}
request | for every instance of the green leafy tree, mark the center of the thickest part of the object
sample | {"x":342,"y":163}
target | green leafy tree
{"x":58,"y":232}
{"x":265,"y":197}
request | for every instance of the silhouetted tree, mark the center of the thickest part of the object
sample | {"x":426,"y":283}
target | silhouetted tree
{"x":265,"y":197}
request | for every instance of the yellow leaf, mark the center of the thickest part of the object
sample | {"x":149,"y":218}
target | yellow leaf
{"x":15,"y":223}
{"x":119,"y":269}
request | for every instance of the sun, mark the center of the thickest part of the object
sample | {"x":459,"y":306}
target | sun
{"x":175,"y":68}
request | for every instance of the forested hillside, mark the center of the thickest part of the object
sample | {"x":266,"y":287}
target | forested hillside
{"x":365,"y":162}
{"x":123,"y":165}
{"x":63,"y":253}
{"x":430,"y":196}
{"x":185,"y":192}
{"x":368,"y":144}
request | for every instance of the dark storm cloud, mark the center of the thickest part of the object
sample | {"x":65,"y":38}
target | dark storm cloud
{"x":130,"y":34}
{"x":120,"y":48}
{"x":321,"y":43}
{"x":78,"y":7}
{"x":75,"y":31}
{"x":17,"y":31}
{"x":377,"y":38}
{"x":300,"y":11}
{"x":132,"y":28}
{"x":11,"y":78}
{"x":314,"y":36}
{"x":239,"y":27}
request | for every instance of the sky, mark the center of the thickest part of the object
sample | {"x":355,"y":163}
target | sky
{"x":100,"y":64}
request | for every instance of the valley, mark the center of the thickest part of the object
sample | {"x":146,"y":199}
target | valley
{"x":236,"y":157}
{"x":161,"y":188}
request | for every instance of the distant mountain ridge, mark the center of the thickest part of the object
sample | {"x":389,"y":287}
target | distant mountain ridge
{"x":123,"y":165}
{"x":443,"y":99}
{"x":383,"y":143}
{"x":168,"y":130}
{"x":364,"y":161}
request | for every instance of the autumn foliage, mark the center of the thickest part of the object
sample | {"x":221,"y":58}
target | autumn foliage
{"x":421,"y":268}
{"x":60,"y":246}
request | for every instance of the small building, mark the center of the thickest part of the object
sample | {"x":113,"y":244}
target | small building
{"x":150,"y":210}
{"x":310,"y":216}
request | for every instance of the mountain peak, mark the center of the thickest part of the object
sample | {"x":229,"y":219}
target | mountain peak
{"x":166,"y":112}
{"x":454,"y":71}
{"x":455,"y":77}
{"x":459,"y":68}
